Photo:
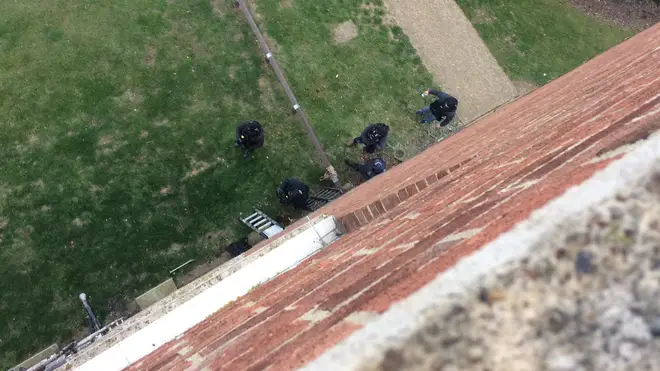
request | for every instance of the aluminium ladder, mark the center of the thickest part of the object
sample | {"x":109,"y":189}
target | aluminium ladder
{"x":262,"y":224}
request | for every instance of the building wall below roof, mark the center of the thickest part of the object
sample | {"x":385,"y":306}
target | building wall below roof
{"x":121,"y":349}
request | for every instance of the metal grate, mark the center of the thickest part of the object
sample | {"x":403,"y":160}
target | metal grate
{"x":323,"y":197}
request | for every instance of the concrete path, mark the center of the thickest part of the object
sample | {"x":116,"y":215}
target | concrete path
{"x":452,"y":50}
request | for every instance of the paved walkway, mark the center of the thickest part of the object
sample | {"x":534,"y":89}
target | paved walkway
{"x":452,"y":50}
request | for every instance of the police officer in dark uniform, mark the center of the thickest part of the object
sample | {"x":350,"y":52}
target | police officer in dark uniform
{"x":373,"y":137}
{"x":442,"y":109}
{"x":249,"y":136}
{"x":369,"y":169}
{"x":293,"y":192}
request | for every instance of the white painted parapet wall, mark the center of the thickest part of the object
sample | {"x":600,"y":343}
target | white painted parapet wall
{"x":321,"y":232}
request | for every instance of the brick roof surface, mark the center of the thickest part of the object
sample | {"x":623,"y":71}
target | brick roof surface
{"x":413,"y":222}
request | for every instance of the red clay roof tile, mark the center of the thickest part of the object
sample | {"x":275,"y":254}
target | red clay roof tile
{"x":485,"y":178}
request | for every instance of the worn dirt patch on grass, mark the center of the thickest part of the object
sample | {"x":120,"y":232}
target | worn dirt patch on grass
{"x":161,"y":123}
{"x":483,"y":16}
{"x":150,"y":56}
{"x":198,"y":104}
{"x":39,"y":184}
{"x":5,"y":190}
{"x":344,"y":32}
{"x":252,"y":5}
{"x":105,"y":140}
{"x":229,"y":100}
{"x":286,"y":3}
{"x":212,"y":237}
{"x":33,"y":139}
{"x":637,"y":14}
{"x":523,"y":87}
{"x":232,"y":72}
{"x":174,"y":249}
{"x":220,"y":7}
{"x":272,"y":44}
{"x":79,"y":222}
{"x":129,"y":99}
{"x":199,"y":167}
{"x":108,"y":144}
{"x":165,"y":191}
{"x":267,"y":94}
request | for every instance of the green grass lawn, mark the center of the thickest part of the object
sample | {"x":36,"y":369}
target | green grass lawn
{"x":116,"y":153}
{"x":117,"y":158}
{"x":537,"y":41}
{"x":374,"y":77}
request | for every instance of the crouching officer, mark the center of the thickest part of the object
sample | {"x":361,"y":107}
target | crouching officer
{"x":373,"y":137}
{"x":293,"y":192}
{"x":249,"y":136}
{"x":369,"y":169}
{"x":442,"y":109}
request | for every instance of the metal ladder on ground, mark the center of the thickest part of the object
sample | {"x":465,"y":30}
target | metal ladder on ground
{"x":322,"y":197}
{"x":262,"y":224}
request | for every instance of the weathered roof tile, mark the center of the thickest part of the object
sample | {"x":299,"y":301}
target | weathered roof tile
{"x":459,"y":195}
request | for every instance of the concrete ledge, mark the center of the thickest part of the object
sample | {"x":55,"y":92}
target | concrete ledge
{"x":186,"y":293}
{"x":37,"y":358}
{"x":156,"y":294}
{"x":290,"y":251}
{"x":574,"y":287}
